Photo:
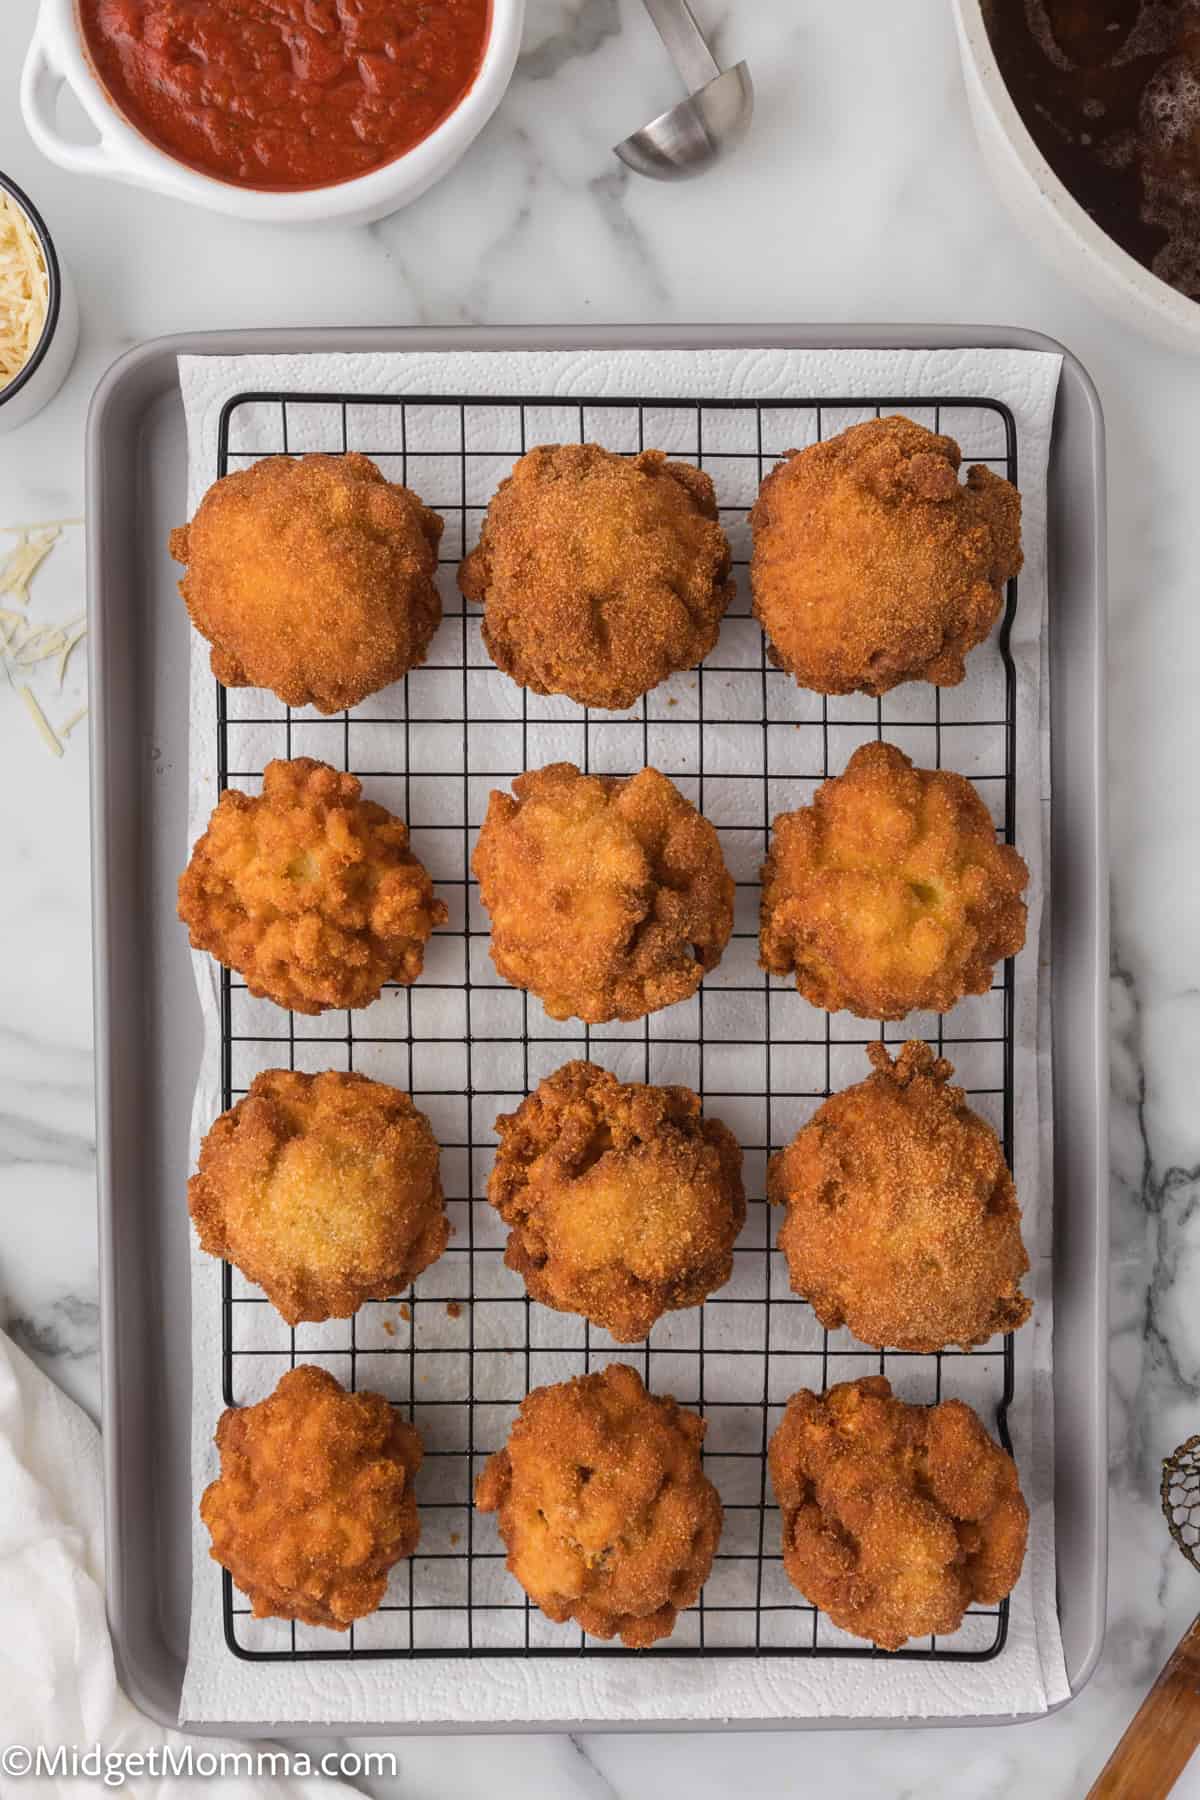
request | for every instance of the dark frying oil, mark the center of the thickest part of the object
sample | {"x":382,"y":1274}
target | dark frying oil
{"x":1110,"y":91}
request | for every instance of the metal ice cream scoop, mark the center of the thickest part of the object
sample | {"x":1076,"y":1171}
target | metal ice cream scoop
{"x":713,"y":119}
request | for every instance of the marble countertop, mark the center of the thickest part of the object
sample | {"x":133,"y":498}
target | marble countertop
{"x":861,"y":196}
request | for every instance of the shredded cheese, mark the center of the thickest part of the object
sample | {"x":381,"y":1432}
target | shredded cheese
{"x":23,"y":562}
{"x":26,"y":646}
{"x":24,"y":290}
{"x":41,"y":642}
{"x":65,"y":657}
{"x":40,"y":720}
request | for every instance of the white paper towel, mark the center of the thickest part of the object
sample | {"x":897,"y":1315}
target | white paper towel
{"x":59,"y":1692}
{"x":1028,"y":1675}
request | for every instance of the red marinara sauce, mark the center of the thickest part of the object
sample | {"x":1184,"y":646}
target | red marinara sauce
{"x":286,"y":93}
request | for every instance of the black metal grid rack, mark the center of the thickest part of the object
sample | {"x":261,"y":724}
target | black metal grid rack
{"x":460,"y":1350}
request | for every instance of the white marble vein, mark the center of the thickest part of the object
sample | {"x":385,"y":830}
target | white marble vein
{"x":860,"y":196}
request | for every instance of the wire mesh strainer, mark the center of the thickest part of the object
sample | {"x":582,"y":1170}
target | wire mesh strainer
{"x":1160,"y":1738}
{"x":1181,"y":1498}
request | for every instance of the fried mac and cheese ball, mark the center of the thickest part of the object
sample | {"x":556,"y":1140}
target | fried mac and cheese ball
{"x":323,"y":1189}
{"x":608,"y":897}
{"x":600,"y":575}
{"x":890,"y":894}
{"x":874,"y":565}
{"x":896,"y":1518}
{"x":902,"y":1218}
{"x":314,"y":1502}
{"x":313,"y":577}
{"x":623,"y":1201}
{"x":603,"y":1505}
{"x":310,"y":892}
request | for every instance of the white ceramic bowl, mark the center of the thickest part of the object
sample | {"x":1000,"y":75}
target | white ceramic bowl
{"x":1049,"y":214}
{"x":56,"y":55}
{"x":38,"y":382}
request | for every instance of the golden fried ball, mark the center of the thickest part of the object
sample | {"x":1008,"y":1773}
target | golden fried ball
{"x":896,"y":1518}
{"x":310,"y":892}
{"x":890,"y":894}
{"x":609,"y":898}
{"x":312,"y":576}
{"x":624,"y":1203}
{"x":873,"y":565}
{"x":603,"y":1505}
{"x":600,"y":575}
{"x":323,"y":1189}
{"x":902,"y":1218}
{"x":314,"y":1502}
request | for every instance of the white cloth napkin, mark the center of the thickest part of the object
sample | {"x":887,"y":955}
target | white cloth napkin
{"x":1028,"y":1676}
{"x":58,"y":1685}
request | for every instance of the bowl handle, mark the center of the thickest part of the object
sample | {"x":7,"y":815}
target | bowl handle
{"x":41,"y":79}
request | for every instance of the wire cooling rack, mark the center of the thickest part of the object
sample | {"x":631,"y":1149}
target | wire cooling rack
{"x":459,"y":1351}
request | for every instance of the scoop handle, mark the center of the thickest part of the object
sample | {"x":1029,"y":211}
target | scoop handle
{"x":686,"y":44}
{"x":1162,"y":1734}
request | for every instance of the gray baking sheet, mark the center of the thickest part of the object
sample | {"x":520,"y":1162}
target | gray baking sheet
{"x":140,"y":658}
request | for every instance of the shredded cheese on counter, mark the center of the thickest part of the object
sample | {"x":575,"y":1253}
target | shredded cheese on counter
{"x":40,"y":720}
{"x":22,"y":564}
{"x":24,"y":645}
{"x":24,"y":290}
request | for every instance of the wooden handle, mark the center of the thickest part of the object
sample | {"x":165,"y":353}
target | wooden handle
{"x":1162,"y":1734}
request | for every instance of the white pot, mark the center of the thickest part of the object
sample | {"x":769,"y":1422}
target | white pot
{"x":57,"y":55}
{"x":44,"y":373}
{"x":1047,"y":212}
